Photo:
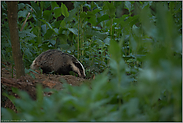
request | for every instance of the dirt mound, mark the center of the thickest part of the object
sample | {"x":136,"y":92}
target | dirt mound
{"x":28,"y":82}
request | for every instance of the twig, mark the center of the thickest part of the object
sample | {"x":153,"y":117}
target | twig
{"x":25,"y":20}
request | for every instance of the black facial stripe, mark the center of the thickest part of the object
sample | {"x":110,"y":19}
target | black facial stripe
{"x":78,"y":65}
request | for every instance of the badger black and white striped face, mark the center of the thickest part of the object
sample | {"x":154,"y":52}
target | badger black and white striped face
{"x":58,"y":62}
{"x":78,"y":68}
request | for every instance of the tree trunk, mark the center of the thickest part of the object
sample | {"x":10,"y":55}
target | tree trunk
{"x":13,"y":27}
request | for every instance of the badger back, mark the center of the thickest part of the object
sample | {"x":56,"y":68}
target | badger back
{"x":58,"y":62}
{"x":44,"y":59}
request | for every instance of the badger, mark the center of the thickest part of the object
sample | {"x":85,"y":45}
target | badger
{"x":58,"y":62}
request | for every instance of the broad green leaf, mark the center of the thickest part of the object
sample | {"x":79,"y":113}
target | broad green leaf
{"x":5,"y":114}
{"x":115,"y":51}
{"x":166,"y":26}
{"x":64,"y":10}
{"x":37,"y":9}
{"x":107,"y":41}
{"x":72,"y":13}
{"x":56,"y":24}
{"x":57,"y":12}
{"x":54,"y":5}
{"x":56,"y":30}
{"x":95,"y":11}
{"x":93,"y":20}
{"x":147,"y":25}
{"x":78,"y":4}
{"x":23,"y":13}
{"x":48,"y":33}
{"x":102,"y":18}
{"x":62,"y":24}
{"x":47,"y":23}
{"x":47,"y":14}
{"x":114,"y":65}
{"x":25,"y":33}
{"x":53,"y":42}
{"x":73,"y":30}
{"x":39,"y":94}
{"x":87,"y":5}
{"x":98,"y":84}
{"x":133,"y":108}
{"x":21,"y":6}
{"x":110,"y":8}
{"x":44,"y":28}
{"x":10,"y":97}
{"x":128,"y":5}
{"x":83,"y":15}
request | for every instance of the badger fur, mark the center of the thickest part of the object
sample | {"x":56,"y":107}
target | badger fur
{"x":58,"y":62}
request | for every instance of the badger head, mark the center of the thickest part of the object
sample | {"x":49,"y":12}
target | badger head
{"x":78,"y":68}
{"x":33,"y":65}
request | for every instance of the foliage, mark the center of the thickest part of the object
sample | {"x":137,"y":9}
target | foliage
{"x":138,"y":55}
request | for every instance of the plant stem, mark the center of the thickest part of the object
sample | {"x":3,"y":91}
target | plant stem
{"x":78,"y":35}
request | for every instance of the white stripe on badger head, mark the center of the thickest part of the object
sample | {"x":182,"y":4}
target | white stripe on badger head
{"x":82,"y":68}
{"x":33,"y":65}
{"x":76,"y":69}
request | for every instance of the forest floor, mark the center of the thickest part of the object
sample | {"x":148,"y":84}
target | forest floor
{"x":28,"y":83}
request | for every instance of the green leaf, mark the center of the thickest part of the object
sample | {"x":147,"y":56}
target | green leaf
{"x":98,"y":84}
{"x":132,"y":108}
{"x":148,"y":26}
{"x":64,"y":10}
{"x":53,"y":42}
{"x":93,"y":20}
{"x":166,"y":26}
{"x":47,"y":15}
{"x":73,"y":30}
{"x":54,"y":5}
{"x":72,"y":13}
{"x":56,"y":24}
{"x":44,"y":28}
{"x":12,"y":98}
{"x":78,"y":4}
{"x":99,"y":34}
{"x":42,"y":4}
{"x":128,"y":5}
{"x":39,"y":94}
{"x":56,"y":30}
{"x":21,"y":6}
{"x":115,"y":51}
{"x":32,"y":75}
{"x":47,"y":23}
{"x":111,"y":9}
{"x":83,"y":15}
{"x":102,"y":18}
{"x":36,"y":9}
{"x":23,"y":13}
{"x":5,"y":115}
{"x":25,"y":33}
{"x":48,"y":33}
{"x":62,"y":24}
{"x":57,"y":12}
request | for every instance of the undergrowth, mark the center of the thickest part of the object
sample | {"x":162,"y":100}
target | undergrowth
{"x":133,"y":48}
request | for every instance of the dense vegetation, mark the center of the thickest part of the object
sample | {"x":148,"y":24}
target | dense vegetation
{"x":133,"y":48}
